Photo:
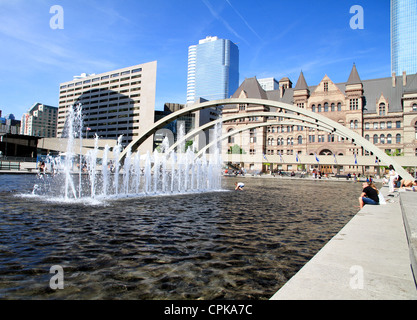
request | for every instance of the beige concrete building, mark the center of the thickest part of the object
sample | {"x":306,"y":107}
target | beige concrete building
{"x":384,"y":111}
{"x":115,"y":103}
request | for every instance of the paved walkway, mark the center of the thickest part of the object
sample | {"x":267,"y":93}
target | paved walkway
{"x":369,"y":259}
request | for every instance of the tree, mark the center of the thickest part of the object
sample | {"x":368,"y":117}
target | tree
{"x":236,"y":150}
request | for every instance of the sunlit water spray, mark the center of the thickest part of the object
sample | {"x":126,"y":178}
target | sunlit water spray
{"x":98,"y":176}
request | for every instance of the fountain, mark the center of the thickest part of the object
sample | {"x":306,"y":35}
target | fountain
{"x":100,"y":178}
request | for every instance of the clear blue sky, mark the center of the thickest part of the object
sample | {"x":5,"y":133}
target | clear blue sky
{"x":275,"y":39}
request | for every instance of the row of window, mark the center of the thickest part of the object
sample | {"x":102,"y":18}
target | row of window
{"x":382,"y":139}
{"x":378,"y":125}
{"x":114,"y":75}
{"x":326,"y":108}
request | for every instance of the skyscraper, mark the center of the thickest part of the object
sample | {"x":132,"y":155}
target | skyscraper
{"x":404,"y":36}
{"x":213,"y":69}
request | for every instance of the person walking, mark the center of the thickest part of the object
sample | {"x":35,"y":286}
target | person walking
{"x":392,"y":177}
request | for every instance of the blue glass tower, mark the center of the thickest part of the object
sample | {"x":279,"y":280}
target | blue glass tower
{"x":404,"y":36}
{"x":213,"y":69}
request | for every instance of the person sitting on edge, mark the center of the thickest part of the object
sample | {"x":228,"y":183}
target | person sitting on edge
{"x":239,"y":186}
{"x":369,"y":195}
{"x":409,"y":184}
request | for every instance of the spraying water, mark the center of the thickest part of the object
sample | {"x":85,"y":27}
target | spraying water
{"x":160,"y":173}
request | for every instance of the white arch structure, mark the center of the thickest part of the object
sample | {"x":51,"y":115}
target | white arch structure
{"x":337,"y":128}
{"x":253,"y":126}
{"x":320,"y":126}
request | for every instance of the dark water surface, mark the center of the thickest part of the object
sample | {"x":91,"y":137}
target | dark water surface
{"x":217,"y":245}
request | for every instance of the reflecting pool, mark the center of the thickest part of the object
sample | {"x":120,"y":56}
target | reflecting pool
{"x":213,"y":245}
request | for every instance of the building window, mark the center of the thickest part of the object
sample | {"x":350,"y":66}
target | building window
{"x":415,"y":128}
{"x":367,"y":137}
{"x":398,"y":138}
{"x":231,"y":139}
{"x":300,"y":140}
{"x":382,"y":109}
{"x":382,"y":125}
{"x":367,"y":126}
{"x":356,"y":124}
{"x":319,"y":108}
{"x":252,"y":136}
{"x":326,"y":87}
{"x":354,"y":104}
{"x":242,"y":107}
{"x":389,"y":138}
{"x":326,"y":107}
{"x":382,"y":139}
{"x":414,"y":107}
{"x":375,"y":139}
{"x":313,"y":108}
{"x":333,"y":107}
{"x":339,"y":107}
{"x":398,"y":124}
{"x":375,"y":125}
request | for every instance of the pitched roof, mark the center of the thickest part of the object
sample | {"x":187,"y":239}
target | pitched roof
{"x":301,"y":83}
{"x":354,"y":76}
{"x":411,"y":85}
{"x":372,"y":91}
{"x":252,"y":89}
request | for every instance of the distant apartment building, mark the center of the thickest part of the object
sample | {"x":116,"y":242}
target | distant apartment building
{"x":41,"y":121}
{"x":9,"y":124}
{"x":269,"y":84}
{"x":114,"y":103}
{"x":213,"y":69}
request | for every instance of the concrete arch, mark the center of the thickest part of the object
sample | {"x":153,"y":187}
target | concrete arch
{"x":253,"y":126}
{"x":194,"y":132}
{"x":337,"y":128}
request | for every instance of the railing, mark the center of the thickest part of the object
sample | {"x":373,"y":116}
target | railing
{"x":18,"y":159}
{"x":9,"y":165}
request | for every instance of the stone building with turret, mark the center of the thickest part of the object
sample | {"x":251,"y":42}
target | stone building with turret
{"x":384,"y":111}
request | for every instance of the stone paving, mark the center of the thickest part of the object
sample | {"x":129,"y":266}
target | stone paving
{"x":369,"y":259}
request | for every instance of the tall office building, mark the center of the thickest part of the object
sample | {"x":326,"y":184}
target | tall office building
{"x":404,"y":36}
{"x":115,"y":103}
{"x":213,"y":69}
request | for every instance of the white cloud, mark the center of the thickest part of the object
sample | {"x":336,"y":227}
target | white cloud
{"x":223,"y":21}
{"x":244,"y":20}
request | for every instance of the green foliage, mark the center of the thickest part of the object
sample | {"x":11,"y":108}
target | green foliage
{"x":236,"y":150}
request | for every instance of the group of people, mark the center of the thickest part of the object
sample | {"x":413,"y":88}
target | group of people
{"x":370,"y":194}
